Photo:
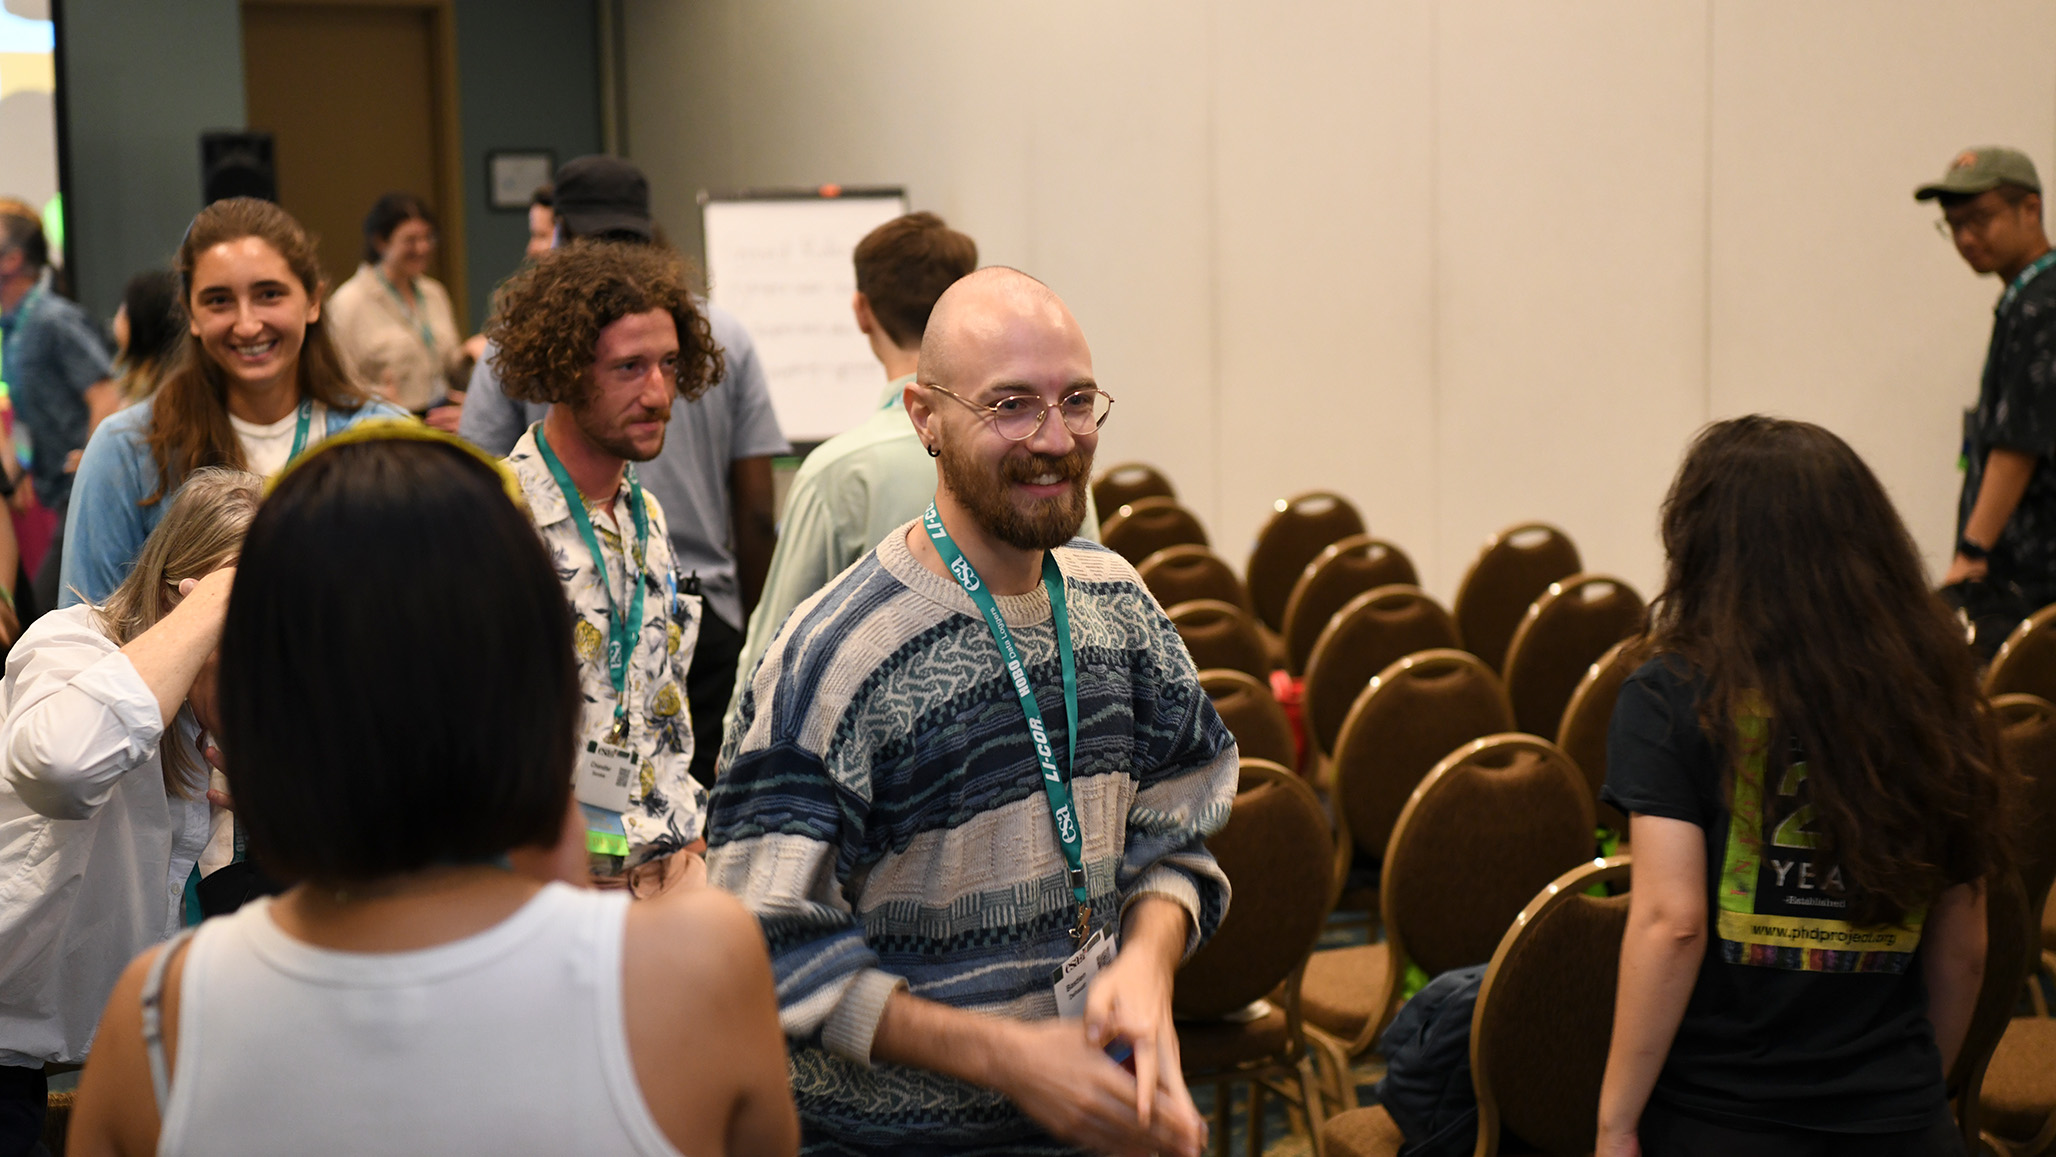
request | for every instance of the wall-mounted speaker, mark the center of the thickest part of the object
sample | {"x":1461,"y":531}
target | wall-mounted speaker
{"x":237,"y":164}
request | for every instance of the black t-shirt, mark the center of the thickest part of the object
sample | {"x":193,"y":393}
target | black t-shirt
{"x":1797,"y":1019}
{"x":2016,"y":410}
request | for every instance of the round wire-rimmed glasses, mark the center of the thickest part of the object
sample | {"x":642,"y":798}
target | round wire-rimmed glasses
{"x":1018,"y":417}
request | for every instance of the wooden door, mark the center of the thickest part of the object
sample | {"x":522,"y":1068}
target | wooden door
{"x":359,"y":97}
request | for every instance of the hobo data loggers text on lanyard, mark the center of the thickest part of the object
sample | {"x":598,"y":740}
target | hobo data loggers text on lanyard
{"x":1054,"y":783}
{"x":607,"y":771}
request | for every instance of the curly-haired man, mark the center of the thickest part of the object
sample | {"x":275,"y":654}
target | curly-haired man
{"x":607,"y":335}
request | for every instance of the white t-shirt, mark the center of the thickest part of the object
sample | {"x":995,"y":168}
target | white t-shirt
{"x":267,"y":447}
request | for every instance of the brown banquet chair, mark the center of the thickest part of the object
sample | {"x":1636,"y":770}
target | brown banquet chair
{"x":2026,"y":661}
{"x":1220,"y":634}
{"x":1511,"y":572}
{"x":1236,"y":1002}
{"x":1343,"y":570}
{"x":1582,"y":734}
{"x":1253,"y":715}
{"x":1563,"y":634}
{"x":1373,"y":631}
{"x":1496,"y":820}
{"x":1117,"y":486}
{"x":1140,"y":528}
{"x":1179,"y":574}
{"x":1540,"y":1029}
{"x":1297,"y":530}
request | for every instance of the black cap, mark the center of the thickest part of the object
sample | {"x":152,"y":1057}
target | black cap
{"x":599,"y":195}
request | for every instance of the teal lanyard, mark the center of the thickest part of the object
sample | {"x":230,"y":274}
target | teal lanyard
{"x":300,"y":430}
{"x":621,"y":631}
{"x":420,"y":322}
{"x":2033,"y":270}
{"x":1054,"y":784}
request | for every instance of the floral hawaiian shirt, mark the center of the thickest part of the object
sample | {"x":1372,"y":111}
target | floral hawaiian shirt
{"x":667,"y":808}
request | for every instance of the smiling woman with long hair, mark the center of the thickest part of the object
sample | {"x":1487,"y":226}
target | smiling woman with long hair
{"x":1815,"y":801}
{"x":255,"y":381}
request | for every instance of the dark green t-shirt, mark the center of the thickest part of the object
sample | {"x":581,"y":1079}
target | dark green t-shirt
{"x":1797,"y":1019}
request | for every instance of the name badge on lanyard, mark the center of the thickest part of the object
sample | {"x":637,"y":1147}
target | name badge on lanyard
{"x":1055,"y":785}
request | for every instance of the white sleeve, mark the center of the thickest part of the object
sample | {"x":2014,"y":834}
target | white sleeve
{"x":79,"y":716}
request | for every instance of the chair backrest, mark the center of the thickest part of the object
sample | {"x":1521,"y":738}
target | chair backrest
{"x":1220,"y":634}
{"x":2013,"y":946}
{"x":1275,"y":851}
{"x":1179,"y":574}
{"x":2027,"y":659}
{"x":1496,"y":821}
{"x":1140,"y":528}
{"x":1297,"y":530}
{"x":1370,"y":633}
{"x":1544,"y":1017}
{"x":2027,"y":732}
{"x":1582,"y":735}
{"x":1414,"y":713}
{"x":1342,"y":571}
{"x":1511,"y":572}
{"x":1117,"y":486}
{"x":1563,"y":634}
{"x":1253,"y":715}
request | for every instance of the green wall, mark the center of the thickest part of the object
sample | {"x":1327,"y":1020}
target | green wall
{"x":144,"y":78}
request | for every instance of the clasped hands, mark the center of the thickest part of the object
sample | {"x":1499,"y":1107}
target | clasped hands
{"x":1058,"y":1071}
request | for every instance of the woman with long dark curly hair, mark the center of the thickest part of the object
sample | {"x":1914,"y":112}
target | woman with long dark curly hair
{"x":1815,"y":801}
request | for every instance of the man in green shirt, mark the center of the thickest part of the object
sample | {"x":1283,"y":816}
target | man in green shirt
{"x":862,"y":484}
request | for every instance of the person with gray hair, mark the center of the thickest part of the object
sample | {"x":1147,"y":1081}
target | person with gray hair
{"x":104,"y":818}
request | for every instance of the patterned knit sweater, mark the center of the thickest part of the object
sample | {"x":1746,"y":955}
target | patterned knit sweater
{"x":879,"y":808}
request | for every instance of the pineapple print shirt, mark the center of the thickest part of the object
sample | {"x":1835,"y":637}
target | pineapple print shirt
{"x":666,"y":809}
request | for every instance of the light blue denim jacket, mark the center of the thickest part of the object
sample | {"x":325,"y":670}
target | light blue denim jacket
{"x":104,"y":529}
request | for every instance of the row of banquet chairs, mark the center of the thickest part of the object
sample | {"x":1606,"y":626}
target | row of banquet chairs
{"x":1487,"y":834}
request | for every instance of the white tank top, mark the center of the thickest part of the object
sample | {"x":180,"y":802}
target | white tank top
{"x":510,"y":1041}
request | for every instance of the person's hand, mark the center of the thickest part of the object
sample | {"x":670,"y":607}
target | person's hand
{"x":24,"y":495}
{"x":1069,"y":1086}
{"x":208,"y":594}
{"x":1131,"y":1002}
{"x":204,"y":697}
{"x":1618,"y":1143}
{"x":474,"y":346}
{"x":1961,"y":569}
{"x":445,"y":418}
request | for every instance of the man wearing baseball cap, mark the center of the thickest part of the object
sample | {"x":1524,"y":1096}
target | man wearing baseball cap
{"x":714,"y":475}
{"x":2006,"y":520}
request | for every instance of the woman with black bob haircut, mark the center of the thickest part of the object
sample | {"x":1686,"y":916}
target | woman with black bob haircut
{"x":1815,"y":803}
{"x":420,"y":988}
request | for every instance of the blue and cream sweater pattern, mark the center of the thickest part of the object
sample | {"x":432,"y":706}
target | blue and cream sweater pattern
{"x":879,"y":808}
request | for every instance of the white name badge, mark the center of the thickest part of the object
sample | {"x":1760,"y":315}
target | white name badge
{"x":1076,"y":975}
{"x":607,"y":776}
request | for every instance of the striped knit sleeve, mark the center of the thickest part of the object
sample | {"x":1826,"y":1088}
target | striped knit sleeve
{"x":781,"y":837}
{"x":1186,"y":766}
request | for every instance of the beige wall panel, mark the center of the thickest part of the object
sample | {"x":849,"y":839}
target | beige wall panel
{"x":1324,"y":178}
{"x":1119,"y":199}
{"x":1832,"y":298}
{"x":1571,"y":251}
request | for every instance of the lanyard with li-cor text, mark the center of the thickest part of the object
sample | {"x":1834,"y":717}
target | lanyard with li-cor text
{"x":1054,"y":783}
{"x":621,"y":630}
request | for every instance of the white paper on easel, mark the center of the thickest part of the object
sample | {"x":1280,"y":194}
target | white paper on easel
{"x":782,"y":266}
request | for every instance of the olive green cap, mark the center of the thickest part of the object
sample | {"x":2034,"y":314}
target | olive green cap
{"x":1981,"y":170}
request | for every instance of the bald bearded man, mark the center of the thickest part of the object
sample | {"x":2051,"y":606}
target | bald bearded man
{"x":970,"y":785}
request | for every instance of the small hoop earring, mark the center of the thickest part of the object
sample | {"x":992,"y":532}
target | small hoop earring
{"x":933,"y":452}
